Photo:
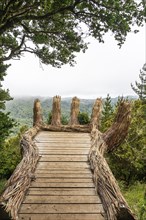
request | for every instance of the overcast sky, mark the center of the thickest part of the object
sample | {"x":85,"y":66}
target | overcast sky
{"x":103,"y":69}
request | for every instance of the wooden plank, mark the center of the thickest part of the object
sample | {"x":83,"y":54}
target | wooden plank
{"x":51,"y":133}
{"x":62,"y":148}
{"x":62,"y":191}
{"x":64,"y":158}
{"x":61,"y":134}
{"x":63,"y":175}
{"x":63,"y":185}
{"x":61,"y":208}
{"x":60,"y":171}
{"x":61,"y":217}
{"x":63,"y":165}
{"x":63,"y":180}
{"x":65,"y":141}
{"x":75,"y":139}
{"x":59,"y":152}
{"x":61,"y":199}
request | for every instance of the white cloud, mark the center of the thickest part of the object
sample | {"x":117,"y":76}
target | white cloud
{"x":104,"y":68}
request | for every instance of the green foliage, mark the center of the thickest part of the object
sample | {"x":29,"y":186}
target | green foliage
{"x":6,"y":123}
{"x":10,"y":154}
{"x":55,"y":28}
{"x":140,"y":88}
{"x":49,"y":119}
{"x":64,"y":119}
{"x":83,"y":118}
{"x":107,"y":114}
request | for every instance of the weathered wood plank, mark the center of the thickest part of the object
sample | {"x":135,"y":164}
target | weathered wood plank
{"x":64,"y":152}
{"x":48,"y":158}
{"x":62,"y":191}
{"x":63,"y":141}
{"x":61,"y":217}
{"x":62,"y":148}
{"x":63,"y":175}
{"x":61,"y":208}
{"x":63,"y":185}
{"x":63,"y":180}
{"x":61,"y":171}
{"x":61,"y":199}
{"x":63,"y":165}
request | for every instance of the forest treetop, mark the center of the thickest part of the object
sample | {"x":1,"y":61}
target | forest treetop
{"x":54,"y":27}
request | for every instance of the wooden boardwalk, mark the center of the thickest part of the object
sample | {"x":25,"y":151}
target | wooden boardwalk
{"x":63,"y":188}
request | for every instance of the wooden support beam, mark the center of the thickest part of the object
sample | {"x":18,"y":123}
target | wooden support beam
{"x":68,"y":128}
{"x":56,"y":111}
{"x":95,"y":116}
{"x":37,"y":113}
{"x":75,"y":108}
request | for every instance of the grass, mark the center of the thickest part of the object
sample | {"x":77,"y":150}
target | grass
{"x":135,"y":195}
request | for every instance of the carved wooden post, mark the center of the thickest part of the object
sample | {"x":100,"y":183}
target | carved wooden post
{"x":56,"y":111}
{"x":115,"y":206}
{"x":75,"y":108}
{"x":37,"y":113}
{"x":95,"y":116}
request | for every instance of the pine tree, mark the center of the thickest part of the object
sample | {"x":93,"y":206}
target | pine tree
{"x":140,"y":88}
{"x":107,"y":114}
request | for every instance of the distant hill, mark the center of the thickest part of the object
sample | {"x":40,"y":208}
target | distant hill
{"x":21,"y":108}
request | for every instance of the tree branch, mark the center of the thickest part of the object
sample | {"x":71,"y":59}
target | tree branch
{"x":15,"y":51}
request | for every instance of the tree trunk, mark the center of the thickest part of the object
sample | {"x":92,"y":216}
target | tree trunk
{"x":37,"y":113}
{"x":115,"y":206}
{"x":56,"y":111}
{"x":75,"y":105}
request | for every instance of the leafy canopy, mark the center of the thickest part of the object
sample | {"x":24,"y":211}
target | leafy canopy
{"x":55,"y":28}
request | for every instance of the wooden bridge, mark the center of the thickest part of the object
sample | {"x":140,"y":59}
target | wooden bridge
{"x":63,"y":174}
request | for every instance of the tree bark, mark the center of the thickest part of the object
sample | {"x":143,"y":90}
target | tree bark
{"x":75,"y":105}
{"x":115,"y":206}
{"x":56,"y":111}
{"x":37,"y":113}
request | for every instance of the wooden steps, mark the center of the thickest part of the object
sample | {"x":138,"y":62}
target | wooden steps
{"x":63,"y":188}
